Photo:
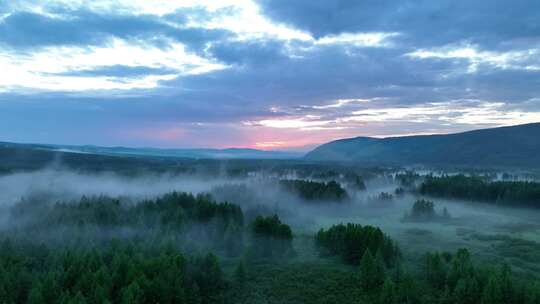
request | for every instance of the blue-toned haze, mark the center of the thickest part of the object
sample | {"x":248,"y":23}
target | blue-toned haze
{"x":270,"y":74}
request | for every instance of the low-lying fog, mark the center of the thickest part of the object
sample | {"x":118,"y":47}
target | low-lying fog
{"x":470,"y":225}
{"x":67,"y":185}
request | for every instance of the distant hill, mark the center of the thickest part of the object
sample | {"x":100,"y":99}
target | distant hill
{"x":231,"y":153}
{"x":515,"y":146}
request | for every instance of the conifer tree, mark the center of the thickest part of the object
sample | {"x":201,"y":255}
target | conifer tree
{"x":388,"y":292}
{"x":368,"y":272}
{"x":133,"y":294}
{"x":492,"y":291}
{"x":240,"y":275}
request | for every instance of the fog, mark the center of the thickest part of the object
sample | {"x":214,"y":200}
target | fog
{"x":68,"y":185}
{"x":469,"y":225}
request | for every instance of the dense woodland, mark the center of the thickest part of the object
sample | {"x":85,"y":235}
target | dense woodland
{"x":407,"y":179}
{"x":477,"y":188}
{"x":271,"y":238}
{"x":118,"y":273}
{"x":316,"y":191}
{"x":219,"y":248}
{"x":352,"y":179}
{"x":173,"y":209}
{"x":352,"y":241}
{"x":125,"y":272}
{"x":381,"y":200}
{"x":153,"y":265}
{"x":424,"y":210}
{"x":178,"y":216}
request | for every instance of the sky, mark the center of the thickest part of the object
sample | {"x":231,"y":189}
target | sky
{"x":266,"y":74}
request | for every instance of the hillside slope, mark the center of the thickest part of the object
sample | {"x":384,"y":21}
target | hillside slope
{"x":517,"y":146}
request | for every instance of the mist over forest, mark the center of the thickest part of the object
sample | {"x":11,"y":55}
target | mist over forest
{"x":269,"y":152}
{"x":73,"y":230}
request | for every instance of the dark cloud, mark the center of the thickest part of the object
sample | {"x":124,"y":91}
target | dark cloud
{"x":253,"y":52}
{"x":422,"y":22}
{"x":318,"y":75}
{"x":511,"y":85}
{"x":83,"y":28}
{"x":323,"y":74}
{"x":24,"y":29}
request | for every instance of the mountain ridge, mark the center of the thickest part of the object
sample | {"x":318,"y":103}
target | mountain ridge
{"x":502,"y":146}
{"x":202,"y":153}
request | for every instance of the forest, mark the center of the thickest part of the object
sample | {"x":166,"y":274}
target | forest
{"x":152,"y":264}
{"x":130,"y":270}
{"x":424,"y":210}
{"x":118,"y":273}
{"x":316,"y":191}
{"x":478,"y":188}
{"x":352,"y":242}
{"x":259,"y":233}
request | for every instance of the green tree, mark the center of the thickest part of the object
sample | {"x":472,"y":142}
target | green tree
{"x":388,"y":292}
{"x":270,"y":237}
{"x":506,"y":286}
{"x":36,"y":295}
{"x":532,"y":294}
{"x":240,"y":275}
{"x":233,"y":240}
{"x":461,"y":267}
{"x":380,"y":270}
{"x":371,"y":275}
{"x":435,"y":270}
{"x":78,"y":299}
{"x":493,"y":293}
{"x":407,"y":289}
{"x":466,"y":291}
{"x":132,"y":294}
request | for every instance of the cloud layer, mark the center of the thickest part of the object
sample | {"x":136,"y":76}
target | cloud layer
{"x":266,"y":73}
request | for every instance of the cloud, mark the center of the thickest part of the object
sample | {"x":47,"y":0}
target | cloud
{"x":269,"y":73}
{"x":68,"y":68}
{"x":422,"y":22}
{"x":87,"y":28}
{"x":315,"y":74}
{"x":253,"y":52}
{"x":24,"y":29}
